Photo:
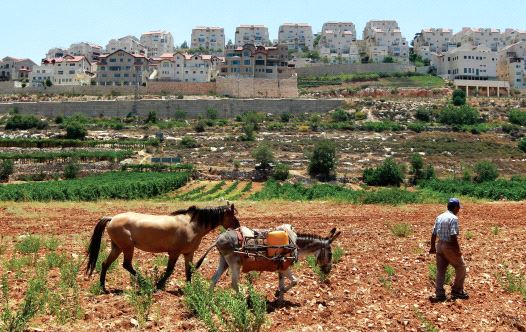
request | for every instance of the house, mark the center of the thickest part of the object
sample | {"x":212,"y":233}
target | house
{"x":296,"y":36}
{"x":91,"y":51}
{"x":14,"y":69}
{"x":511,"y":65}
{"x":513,"y":36}
{"x":256,"y":62}
{"x":252,"y":34}
{"x":157,"y":42}
{"x":184,"y":67}
{"x":122,"y":68}
{"x":56,"y":52}
{"x":67,"y":70}
{"x":382,"y":39}
{"x":433,"y":40}
{"x":338,"y":42}
{"x":468,"y":63}
{"x":130,"y":44}
{"x":208,"y":38}
{"x":489,"y":37}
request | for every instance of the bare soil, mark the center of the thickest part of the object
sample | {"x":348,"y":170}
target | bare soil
{"x":355,"y":297}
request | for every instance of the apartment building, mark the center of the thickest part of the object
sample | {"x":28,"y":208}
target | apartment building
{"x":56,"y":52}
{"x":256,"y":62}
{"x":338,"y":42}
{"x":91,"y":51}
{"x":122,"y":68}
{"x":184,"y":67}
{"x":67,"y":70}
{"x":130,"y":44}
{"x":383,"y":38}
{"x":157,"y":42}
{"x":252,"y":34}
{"x":511,"y":65}
{"x":489,"y":37}
{"x":14,"y":69}
{"x":433,"y":40}
{"x":296,"y":36}
{"x":467,"y":62}
{"x":513,"y":36}
{"x":208,"y":38}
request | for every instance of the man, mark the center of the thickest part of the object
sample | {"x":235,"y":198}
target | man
{"x":448,"y":252}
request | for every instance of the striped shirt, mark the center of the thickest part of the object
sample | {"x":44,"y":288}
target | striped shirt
{"x":446,"y":225}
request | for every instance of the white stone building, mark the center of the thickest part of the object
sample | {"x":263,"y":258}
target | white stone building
{"x":130,"y":44}
{"x":208,"y":38}
{"x":89,"y":50}
{"x":67,"y":70}
{"x":489,"y":37}
{"x":56,"y":52}
{"x":513,"y":36}
{"x":252,"y":34}
{"x":467,"y":63}
{"x":338,"y":42}
{"x":296,"y":36}
{"x":184,"y":67}
{"x":122,"y":68}
{"x":433,"y":40}
{"x":14,"y":69}
{"x":383,"y":38}
{"x":511,"y":65}
{"x":157,"y":42}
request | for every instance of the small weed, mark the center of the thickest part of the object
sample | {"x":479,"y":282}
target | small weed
{"x":495,"y":230}
{"x":513,"y":283}
{"x":95,"y":288}
{"x":29,"y":244}
{"x":389,"y":270}
{"x":469,"y":235}
{"x":337,"y":254}
{"x":311,"y":261}
{"x":160,"y":260}
{"x":426,"y":324}
{"x":54,"y":260}
{"x":141,"y":294}
{"x":401,"y":230}
{"x":433,"y":273}
{"x":51,"y":243}
{"x":387,"y":282}
{"x":64,"y":302}
{"x":17,"y":264}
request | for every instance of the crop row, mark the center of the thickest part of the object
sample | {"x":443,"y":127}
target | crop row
{"x":81,"y":155}
{"x":514,"y":189}
{"x":72,"y":143}
{"x":231,"y":192}
{"x":112,"y":185}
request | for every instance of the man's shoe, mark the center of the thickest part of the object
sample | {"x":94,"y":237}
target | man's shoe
{"x":438,"y":299}
{"x":459,"y":295}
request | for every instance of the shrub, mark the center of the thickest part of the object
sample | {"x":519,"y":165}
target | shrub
{"x":401,"y":230}
{"x":517,"y":117}
{"x":423,"y":114}
{"x":249,"y":133}
{"x":462,"y":115}
{"x":151,"y":118}
{"x":76,"y":130}
{"x":24,"y":122}
{"x":360,"y":116}
{"x":314,"y":122}
{"x":485,"y":171}
{"x":200,"y":126}
{"x":188,"y":142}
{"x":59,"y":119}
{"x":339,"y":115}
{"x":522,"y":144}
{"x":417,"y":127}
{"x":285,"y":117}
{"x":459,"y":97}
{"x":6,"y":169}
{"x":263,"y":156}
{"x":180,"y":115}
{"x":387,"y":174}
{"x":211,"y":114}
{"x":252,"y":118}
{"x":71,"y":170}
{"x":280,"y":172}
{"x":323,"y":160}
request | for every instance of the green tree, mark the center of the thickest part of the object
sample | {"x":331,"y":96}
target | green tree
{"x":339,"y":115}
{"x":522,"y":144}
{"x":388,"y":59}
{"x":211,"y":114}
{"x":263,"y":156}
{"x":184,"y":45}
{"x":461,"y":115}
{"x":48,"y":83}
{"x":517,"y":117}
{"x":389,"y":173}
{"x":6,"y":169}
{"x":459,"y":97}
{"x":151,"y":118}
{"x":280,"y":172}
{"x":323,"y":160}
{"x":485,"y":171}
{"x":76,"y":130}
{"x":71,"y":170}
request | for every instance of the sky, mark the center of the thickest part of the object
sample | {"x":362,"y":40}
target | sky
{"x":36,"y":26}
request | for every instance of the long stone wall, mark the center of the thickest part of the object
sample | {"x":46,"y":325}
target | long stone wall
{"x":323,"y":69}
{"x":258,"y":87}
{"x":167,"y":108}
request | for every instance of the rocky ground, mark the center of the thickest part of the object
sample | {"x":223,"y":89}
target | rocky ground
{"x":359,"y":296}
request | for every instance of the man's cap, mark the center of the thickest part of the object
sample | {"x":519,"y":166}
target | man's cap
{"x":453,"y":202}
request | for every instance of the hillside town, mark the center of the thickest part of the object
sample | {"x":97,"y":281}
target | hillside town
{"x":484,"y":58}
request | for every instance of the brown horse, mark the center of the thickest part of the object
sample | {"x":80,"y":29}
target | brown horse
{"x":178,"y":233}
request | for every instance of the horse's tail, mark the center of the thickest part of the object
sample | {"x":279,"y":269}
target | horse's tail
{"x":94,"y":245}
{"x":200,"y":261}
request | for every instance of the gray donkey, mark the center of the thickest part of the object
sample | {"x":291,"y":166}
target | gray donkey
{"x":228,"y":243}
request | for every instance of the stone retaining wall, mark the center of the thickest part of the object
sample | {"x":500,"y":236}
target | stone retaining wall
{"x":323,"y":69}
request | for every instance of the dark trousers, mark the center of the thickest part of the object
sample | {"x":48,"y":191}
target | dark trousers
{"x":447,"y":255}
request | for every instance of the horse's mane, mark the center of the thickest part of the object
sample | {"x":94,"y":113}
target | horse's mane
{"x":207,"y":216}
{"x":307,"y":238}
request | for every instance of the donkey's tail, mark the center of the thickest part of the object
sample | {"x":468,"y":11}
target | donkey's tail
{"x":200,"y":261}
{"x":94,"y":245}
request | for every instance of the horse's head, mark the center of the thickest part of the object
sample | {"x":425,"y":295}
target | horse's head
{"x":324,"y":253}
{"x":229,"y":217}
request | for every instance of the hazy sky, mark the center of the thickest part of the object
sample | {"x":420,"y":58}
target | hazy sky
{"x":31,"y":28}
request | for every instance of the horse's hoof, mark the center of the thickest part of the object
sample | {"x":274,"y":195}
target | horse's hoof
{"x":105,"y":291}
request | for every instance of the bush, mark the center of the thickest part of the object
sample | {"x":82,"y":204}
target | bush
{"x":522,"y":144}
{"x":200,"y":126}
{"x":387,"y":174}
{"x":285,"y":117}
{"x":280,"y":172}
{"x":517,"y":117}
{"x":180,"y":115}
{"x":401,"y":230}
{"x":263,"y":156}
{"x":252,"y":118}
{"x":6,"y":169}
{"x":188,"y":142}
{"x":485,"y":171}
{"x":339,"y":115}
{"x":76,"y":130}
{"x":423,"y":114}
{"x":417,"y":127}
{"x":71,"y":170}
{"x":24,"y":122}
{"x":59,"y":119}
{"x":463,"y":115}
{"x":459,"y":97}
{"x":249,"y":133}
{"x":211,"y":114}
{"x":151,"y":118}
{"x":323,"y":160}
{"x":314,"y":122}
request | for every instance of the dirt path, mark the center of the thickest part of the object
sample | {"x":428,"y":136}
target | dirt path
{"x":355,"y":299}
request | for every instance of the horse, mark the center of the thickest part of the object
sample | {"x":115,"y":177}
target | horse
{"x":179,"y":233}
{"x":307,"y":244}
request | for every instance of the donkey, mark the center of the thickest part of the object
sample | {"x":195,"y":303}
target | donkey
{"x":179,"y":233}
{"x":307,"y":244}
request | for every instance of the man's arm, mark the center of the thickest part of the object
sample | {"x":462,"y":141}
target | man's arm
{"x":433,"y":247}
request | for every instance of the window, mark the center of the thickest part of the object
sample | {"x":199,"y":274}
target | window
{"x":113,"y":60}
{"x":246,"y":62}
{"x":117,"y":75}
{"x":60,"y":72}
{"x":71,"y":72}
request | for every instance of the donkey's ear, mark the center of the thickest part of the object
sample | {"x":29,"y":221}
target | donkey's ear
{"x":335,"y":236}
{"x":232,"y":207}
{"x":331,"y":233}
